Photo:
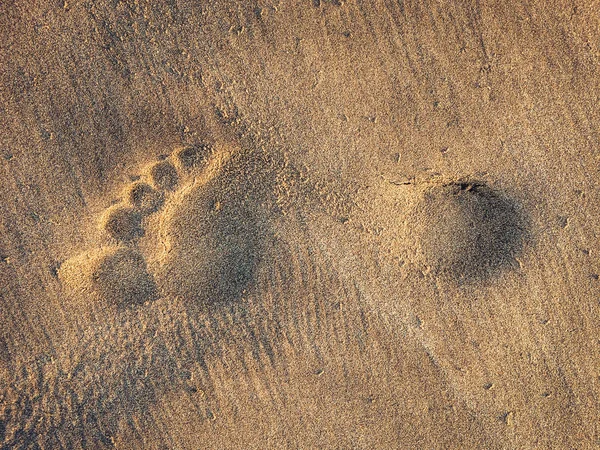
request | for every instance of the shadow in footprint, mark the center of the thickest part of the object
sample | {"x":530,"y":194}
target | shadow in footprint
{"x":468,"y":231}
{"x":215,"y":232}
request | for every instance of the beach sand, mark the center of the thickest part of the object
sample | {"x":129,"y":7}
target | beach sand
{"x":299,"y":224}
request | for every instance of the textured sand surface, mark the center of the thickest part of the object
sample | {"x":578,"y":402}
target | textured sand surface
{"x":299,"y":224}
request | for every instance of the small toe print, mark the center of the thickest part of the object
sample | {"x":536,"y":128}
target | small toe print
{"x":122,"y":223}
{"x":144,"y":197}
{"x":164,"y":175}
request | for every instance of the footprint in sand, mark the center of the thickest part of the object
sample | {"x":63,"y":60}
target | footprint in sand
{"x":193,"y":226}
{"x":465,"y":231}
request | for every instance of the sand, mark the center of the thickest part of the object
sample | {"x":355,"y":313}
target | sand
{"x":299,"y":224}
